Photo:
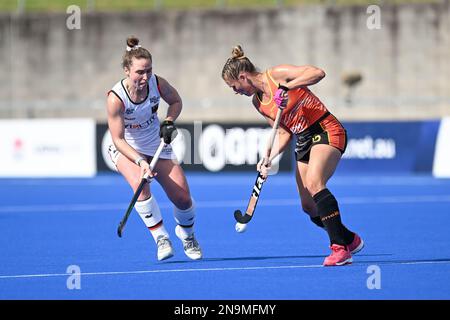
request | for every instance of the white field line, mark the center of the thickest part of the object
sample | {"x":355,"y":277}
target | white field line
{"x":227,"y":203}
{"x":115,"y":273}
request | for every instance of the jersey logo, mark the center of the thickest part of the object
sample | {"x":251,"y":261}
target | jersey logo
{"x":316,"y":138}
{"x":143,"y":125}
{"x":154,"y":99}
{"x":130,"y":110}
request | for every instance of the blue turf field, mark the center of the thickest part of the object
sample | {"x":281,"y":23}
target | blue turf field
{"x":48,"y":225}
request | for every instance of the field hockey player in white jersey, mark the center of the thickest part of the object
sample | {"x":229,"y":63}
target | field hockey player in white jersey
{"x":136,"y":132}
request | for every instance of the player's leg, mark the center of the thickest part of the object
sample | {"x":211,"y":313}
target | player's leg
{"x":322,"y":164}
{"x":308,"y":204}
{"x":146,"y":206}
{"x":173,"y":181}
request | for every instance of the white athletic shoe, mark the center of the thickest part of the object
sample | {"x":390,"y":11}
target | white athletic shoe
{"x":190,"y":245}
{"x":165,"y":250}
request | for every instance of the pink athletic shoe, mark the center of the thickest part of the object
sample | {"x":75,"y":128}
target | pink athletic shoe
{"x":339,"y":256}
{"x":356,"y":245}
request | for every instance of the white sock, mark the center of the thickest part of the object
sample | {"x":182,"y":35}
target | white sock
{"x":185,"y":219}
{"x":151,"y":215}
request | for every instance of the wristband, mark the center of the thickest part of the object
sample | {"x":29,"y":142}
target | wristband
{"x":138,"y":160}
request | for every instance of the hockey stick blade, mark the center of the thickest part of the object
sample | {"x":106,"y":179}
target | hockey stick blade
{"x":251,"y":207}
{"x":119,"y":230}
{"x":242,"y":218}
{"x":130,"y":207}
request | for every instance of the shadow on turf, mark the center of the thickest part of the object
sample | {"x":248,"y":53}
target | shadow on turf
{"x":405,"y":261}
{"x":269,"y":258}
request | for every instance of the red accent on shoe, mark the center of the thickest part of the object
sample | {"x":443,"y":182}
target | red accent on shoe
{"x":356,"y":246}
{"x":339,"y":256}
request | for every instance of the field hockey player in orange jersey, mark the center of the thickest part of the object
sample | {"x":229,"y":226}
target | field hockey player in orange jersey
{"x":320,"y":140}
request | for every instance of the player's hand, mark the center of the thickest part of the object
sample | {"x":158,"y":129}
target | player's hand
{"x":168,"y":131}
{"x":145,"y":170}
{"x":281,"y":97}
{"x":263,"y":167}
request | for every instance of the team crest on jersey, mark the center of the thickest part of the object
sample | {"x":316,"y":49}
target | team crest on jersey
{"x":130,"y":110}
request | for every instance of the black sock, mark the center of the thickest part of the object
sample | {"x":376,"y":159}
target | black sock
{"x":330,"y":216}
{"x":318,"y":222}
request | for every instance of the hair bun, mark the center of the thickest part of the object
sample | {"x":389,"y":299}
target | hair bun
{"x":237,"y":52}
{"x":132,"y":41}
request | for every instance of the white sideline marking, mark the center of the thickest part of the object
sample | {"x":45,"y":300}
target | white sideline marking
{"x":224,"y":204}
{"x":109,"y":273}
{"x":154,"y":271}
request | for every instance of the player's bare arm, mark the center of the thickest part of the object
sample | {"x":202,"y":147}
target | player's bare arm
{"x":173,"y":99}
{"x":116,"y":127}
{"x":282,"y":138}
{"x":297,"y":76}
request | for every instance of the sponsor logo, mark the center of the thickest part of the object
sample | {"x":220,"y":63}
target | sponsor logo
{"x":143,"y":125}
{"x":18,"y":149}
{"x":236,"y":146}
{"x":257,"y":187}
{"x":212,"y":147}
{"x":334,"y":214}
{"x":370,"y":148}
{"x":316,"y":138}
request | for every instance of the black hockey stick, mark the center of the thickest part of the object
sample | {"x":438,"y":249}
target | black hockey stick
{"x":139,"y":190}
{"x":259,"y":179}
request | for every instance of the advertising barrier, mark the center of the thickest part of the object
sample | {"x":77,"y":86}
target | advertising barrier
{"x":78,"y":148}
{"x":47,"y":148}
{"x":210,"y":147}
{"x":388,"y":147}
{"x":373,"y":147}
{"x":441,"y":164}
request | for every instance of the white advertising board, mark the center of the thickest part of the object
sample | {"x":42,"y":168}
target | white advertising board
{"x":47,"y":148}
{"x":441,"y":164}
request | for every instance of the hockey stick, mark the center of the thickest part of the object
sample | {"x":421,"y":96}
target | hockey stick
{"x":259,"y":179}
{"x":139,"y":189}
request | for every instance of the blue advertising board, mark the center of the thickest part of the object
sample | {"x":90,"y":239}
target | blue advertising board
{"x":401,"y":147}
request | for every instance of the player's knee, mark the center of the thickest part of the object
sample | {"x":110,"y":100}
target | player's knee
{"x":145,"y":193}
{"x":309,"y":208}
{"x":314,"y":186}
{"x":134,"y":183}
{"x":183,"y":202}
